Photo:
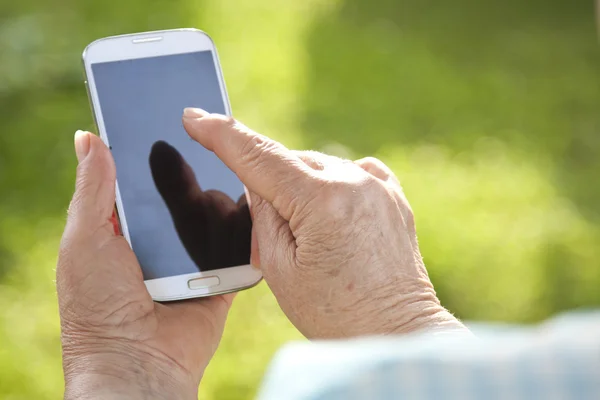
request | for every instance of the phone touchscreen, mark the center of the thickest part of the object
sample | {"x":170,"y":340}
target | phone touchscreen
{"x":183,"y":209}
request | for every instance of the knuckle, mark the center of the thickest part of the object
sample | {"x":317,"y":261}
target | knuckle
{"x":94,"y":189}
{"x":352,"y":196}
{"x":250,"y":148}
{"x":254,"y":150}
{"x":77,"y":205}
{"x":82,"y":175}
{"x":340,"y":201}
{"x":370,"y":161}
{"x":90,"y":179}
{"x":375,"y":167}
{"x":373,"y":192}
{"x":313,"y":159}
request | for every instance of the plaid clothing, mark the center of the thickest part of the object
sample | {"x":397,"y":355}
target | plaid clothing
{"x":559,"y":359}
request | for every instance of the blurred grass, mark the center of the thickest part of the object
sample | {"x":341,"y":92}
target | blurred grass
{"x":487,"y":111}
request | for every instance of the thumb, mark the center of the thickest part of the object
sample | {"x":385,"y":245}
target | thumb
{"x":93,"y":202}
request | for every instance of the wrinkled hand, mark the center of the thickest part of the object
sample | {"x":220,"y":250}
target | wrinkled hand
{"x":214,"y":230}
{"x":335,"y":239}
{"x":118,"y":343}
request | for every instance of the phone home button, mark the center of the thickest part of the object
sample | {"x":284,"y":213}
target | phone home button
{"x":203,"y":283}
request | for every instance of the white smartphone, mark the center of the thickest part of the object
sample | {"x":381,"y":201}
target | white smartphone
{"x":184,"y":213}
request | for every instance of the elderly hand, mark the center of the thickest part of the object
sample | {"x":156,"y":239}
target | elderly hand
{"x":335,"y":239}
{"x":118,"y":343}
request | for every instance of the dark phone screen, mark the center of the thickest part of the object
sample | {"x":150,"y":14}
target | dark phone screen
{"x":184,"y":209}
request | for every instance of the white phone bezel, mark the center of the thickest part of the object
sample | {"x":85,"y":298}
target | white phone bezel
{"x":152,"y":44}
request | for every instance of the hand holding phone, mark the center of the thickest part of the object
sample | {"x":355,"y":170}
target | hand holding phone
{"x":117,"y":342}
{"x":182,"y":210}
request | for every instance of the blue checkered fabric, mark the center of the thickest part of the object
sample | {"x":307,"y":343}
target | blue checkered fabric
{"x":559,"y":359}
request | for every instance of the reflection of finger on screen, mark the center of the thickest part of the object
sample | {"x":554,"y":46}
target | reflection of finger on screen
{"x":223,"y":202}
{"x":242,"y":201}
{"x":173,"y":177}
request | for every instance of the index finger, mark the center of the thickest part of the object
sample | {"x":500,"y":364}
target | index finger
{"x":265,"y":166}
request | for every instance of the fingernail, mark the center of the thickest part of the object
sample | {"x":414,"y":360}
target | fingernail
{"x":191,"y":112}
{"x":82,"y":145}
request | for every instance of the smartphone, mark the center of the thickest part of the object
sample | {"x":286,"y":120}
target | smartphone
{"x":184,"y":213}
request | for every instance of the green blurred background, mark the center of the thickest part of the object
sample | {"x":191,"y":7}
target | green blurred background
{"x":488,"y":111}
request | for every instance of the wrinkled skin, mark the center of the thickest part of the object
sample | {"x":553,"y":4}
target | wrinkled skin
{"x":117,"y":343}
{"x":335,"y":240}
